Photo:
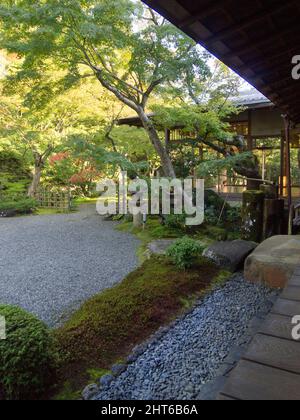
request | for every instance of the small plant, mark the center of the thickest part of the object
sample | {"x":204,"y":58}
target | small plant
{"x":184,"y":252}
{"x":27,"y":358}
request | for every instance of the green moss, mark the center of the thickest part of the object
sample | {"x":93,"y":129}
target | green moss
{"x":96,"y":374}
{"x":217,"y":233}
{"x":67,"y":393}
{"x":108,"y":325}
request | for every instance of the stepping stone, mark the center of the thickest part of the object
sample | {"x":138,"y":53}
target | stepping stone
{"x":274,"y":261}
{"x":160,"y":246}
{"x":254,"y":382}
{"x":230,"y":254}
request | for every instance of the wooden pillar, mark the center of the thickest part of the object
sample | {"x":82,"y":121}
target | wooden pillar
{"x":250,"y":138}
{"x":287,"y":125}
{"x":249,"y":142}
{"x":282,"y":164}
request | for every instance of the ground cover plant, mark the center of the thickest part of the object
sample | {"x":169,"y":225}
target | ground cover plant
{"x":109,"y":325}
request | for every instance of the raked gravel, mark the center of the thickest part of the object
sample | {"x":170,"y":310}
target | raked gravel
{"x":190,"y":353}
{"x":49,"y":265}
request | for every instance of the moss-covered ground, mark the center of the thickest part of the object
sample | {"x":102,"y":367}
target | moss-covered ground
{"x":107,"y":326}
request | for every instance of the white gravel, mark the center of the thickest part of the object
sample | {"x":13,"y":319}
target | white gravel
{"x":49,"y":265}
{"x":189,"y":355}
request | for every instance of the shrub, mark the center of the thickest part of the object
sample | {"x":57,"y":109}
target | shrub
{"x":175,"y":221}
{"x":18,"y":206}
{"x":184,"y":252}
{"x":27,"y":356}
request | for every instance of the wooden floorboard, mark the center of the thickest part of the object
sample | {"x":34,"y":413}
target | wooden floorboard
{"x":275,"y":352}
{"x":277,"y":326}
{"x":253,"y":382}
{"x":270,"y":369}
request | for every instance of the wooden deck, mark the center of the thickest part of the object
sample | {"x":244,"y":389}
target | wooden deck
{"x":270,"y":369}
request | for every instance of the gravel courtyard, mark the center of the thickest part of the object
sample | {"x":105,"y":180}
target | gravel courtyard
{"x":49,"y":265}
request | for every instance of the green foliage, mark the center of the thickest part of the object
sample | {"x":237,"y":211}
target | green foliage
{"x":14,"y":175}
{"x":175,"y":221}
{"x":184,"y":252}
{"x":27,"y":356}
{"x":217,"y":233}
{"x":215,"y":166}
{"x":19,"y":205}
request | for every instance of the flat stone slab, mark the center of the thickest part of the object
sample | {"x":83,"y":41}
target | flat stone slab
{"x":230,"y":254}
{"x":275,"y":352}
{"x":274,"y":261}
{"x":254,"y":382}
{"x":160,"y":246}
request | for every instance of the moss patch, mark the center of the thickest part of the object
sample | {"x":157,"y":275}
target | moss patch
{"x":109,"y":325}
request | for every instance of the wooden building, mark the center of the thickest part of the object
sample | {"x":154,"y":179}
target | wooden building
{"x":258,"y":40}
{"x":262,"y":125}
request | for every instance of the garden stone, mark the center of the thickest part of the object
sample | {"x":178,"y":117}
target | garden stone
{"x":230,"y":254}
{"x":160,"y":246}
{"x":274,"y":261}
{"x":118,"y":369}
{"x":90,"y":391}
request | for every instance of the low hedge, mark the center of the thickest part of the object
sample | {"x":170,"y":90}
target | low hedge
{"x":12,"y":207}
{"x":27,"y":356}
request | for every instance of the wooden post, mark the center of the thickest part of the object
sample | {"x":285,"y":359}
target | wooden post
{"x":273,"y":217}
{"x":249,"y":144}
{"x":250,"y":138}
{"x":287,"y":125}
{"x":282,"y":164}
{"x":252,"y":215}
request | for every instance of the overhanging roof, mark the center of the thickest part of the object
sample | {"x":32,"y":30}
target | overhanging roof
{"x":250,"y":99}
{"x":255,"y":38}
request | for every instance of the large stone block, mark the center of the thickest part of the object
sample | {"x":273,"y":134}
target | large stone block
{"x":274,"y":261}
{"x":230,"y":254}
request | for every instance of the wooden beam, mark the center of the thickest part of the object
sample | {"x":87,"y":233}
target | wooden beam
{"x":246,"y":22}
{"x":258,"y":42}
{"x":269,"y":58}
{"x":207,"y":9}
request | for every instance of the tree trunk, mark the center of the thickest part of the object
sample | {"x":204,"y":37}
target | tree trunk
{"x":167,"y":165}
{"x":35,"y":181}
{"x":251,"y":172}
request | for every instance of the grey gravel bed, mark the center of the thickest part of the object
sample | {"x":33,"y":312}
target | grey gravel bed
{"x":190,"y":353}
{"x":49,"y":265}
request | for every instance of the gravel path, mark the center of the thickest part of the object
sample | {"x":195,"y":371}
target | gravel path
{"x":190,"y":353}
{"x":50,"y":264}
